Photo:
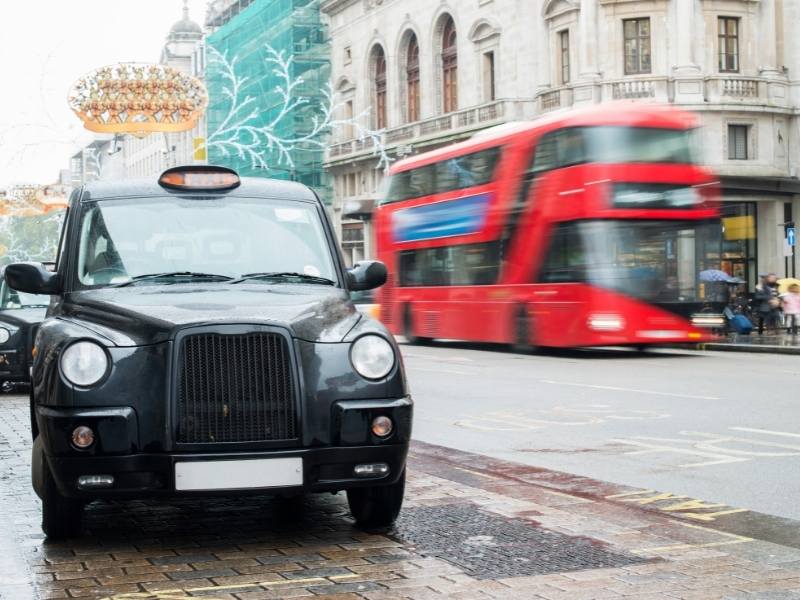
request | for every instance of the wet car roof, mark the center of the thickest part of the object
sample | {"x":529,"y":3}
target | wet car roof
{"x":251,"y":187}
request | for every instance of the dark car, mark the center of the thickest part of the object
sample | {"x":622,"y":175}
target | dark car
{"x":202,"y":340}
{"x":20,"y":316}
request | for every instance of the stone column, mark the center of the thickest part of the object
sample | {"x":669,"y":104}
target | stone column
{"x":587,"y":86}
{"x":767,"y":35}
{"x":688,"y":79}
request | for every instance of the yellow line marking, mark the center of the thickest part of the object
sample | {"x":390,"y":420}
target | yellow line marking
{"x":624,"y":494}
{"x":732,"y":539}
{"x":478,"y":473}
{"x":165,"y":594}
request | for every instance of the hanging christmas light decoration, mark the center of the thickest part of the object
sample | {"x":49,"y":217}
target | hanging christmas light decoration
{"x":138,"y":99}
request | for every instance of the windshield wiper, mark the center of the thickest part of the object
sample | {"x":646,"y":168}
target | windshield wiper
{"x":176,"y":274}
{"x":285,"y":275}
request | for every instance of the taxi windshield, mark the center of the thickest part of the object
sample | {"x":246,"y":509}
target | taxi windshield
{"x":210,"y":239}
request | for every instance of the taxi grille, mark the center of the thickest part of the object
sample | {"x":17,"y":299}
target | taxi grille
{"x":235,"y":388}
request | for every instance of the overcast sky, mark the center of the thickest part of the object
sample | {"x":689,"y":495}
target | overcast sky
{"x":45,"y":46}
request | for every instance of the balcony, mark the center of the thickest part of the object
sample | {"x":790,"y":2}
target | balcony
{"x":637,"y":88}
{"x":554,"y":99}
{"x":447,"y":126}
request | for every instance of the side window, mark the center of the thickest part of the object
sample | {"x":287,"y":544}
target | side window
{"x":565,"y":261}
{"x":451,"y":174}
{"x":468,"y":264}
{"x":560,"y":148}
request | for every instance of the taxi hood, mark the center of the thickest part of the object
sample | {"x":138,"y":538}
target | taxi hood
{"x":150,"y":314}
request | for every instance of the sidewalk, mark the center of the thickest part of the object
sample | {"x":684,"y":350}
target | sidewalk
{"x":776,"y":344}
{"x":473,"y":528}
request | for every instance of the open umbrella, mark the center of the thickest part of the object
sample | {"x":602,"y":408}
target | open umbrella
{"x":785,"y":284}
{"x":714,"y":275}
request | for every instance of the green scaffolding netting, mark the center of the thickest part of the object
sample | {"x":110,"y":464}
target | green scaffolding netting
{"x":294,"y":28}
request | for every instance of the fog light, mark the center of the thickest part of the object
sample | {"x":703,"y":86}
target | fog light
{"x":82,"y":437}
{"x":86,"y":482}
{"x":371,"y":470}
{"x":382,"y":426}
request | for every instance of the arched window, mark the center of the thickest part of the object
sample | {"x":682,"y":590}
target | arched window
{"x":412,"y":79}
{"x":380,"y":87}
{"x":449,"y":67}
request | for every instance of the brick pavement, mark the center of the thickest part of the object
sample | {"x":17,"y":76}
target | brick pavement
{"x":473,"y":528}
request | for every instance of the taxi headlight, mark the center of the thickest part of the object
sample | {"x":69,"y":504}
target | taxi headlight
{"x":372,"y":356}
{"x":84,"y":363}
{"x":5,"y":335}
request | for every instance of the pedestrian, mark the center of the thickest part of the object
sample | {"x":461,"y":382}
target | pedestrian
{"x":791,"y":308}
{"x":767,"y":303}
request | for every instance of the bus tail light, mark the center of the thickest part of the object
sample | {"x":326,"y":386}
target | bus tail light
{"x":606,"y":322}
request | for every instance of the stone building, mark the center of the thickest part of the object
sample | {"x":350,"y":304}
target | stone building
{"x":151,"y":155}
{"x":431,"y":73}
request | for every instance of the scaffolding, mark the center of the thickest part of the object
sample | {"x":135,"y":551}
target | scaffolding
{"x":293,"y":27}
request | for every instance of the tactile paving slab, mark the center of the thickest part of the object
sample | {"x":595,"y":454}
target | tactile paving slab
{"x":490,"y":546}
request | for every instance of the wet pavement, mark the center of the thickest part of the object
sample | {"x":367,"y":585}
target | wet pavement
{"x":473,"y":527}
{"x":776,"y":343}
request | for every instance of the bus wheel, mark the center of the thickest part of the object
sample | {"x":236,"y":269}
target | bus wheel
{"x":522,"y":333}
{"x":408,"y":329}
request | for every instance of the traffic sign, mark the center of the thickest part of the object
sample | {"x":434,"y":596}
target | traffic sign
{"x":791,"y":240}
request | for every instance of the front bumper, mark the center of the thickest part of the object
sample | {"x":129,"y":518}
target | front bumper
{"x":327,"y":469}
{"x":142,"y":468}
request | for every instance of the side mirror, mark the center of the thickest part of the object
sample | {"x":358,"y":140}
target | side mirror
{"x":366,"y":275}
{"x":32,"y":278}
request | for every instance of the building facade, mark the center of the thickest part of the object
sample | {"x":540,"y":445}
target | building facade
{"x":267,"y":69}
{"x":151,"y":155}
{"x":430,"y":73}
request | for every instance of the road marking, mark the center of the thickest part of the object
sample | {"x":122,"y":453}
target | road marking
{"x":648,"y":447}
{"x":766,"y":431}
{"x":438,"y":370}
{"x":173,"y":593}
{"x":730,"y":539}
{"x":622,"y":389}
{"x":658,"y":500}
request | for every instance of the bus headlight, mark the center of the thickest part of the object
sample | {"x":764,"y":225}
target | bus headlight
{"x":84,"y":363}
{"x":606,"y":322}
{"x":372,"y":356}
{"x":708,"y":320}
{"x":5,"y":335}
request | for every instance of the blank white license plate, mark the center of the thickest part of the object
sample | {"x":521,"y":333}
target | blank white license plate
{"x":238,"y":474}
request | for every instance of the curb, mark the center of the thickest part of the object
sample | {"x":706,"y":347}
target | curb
{"x":723,"y":347}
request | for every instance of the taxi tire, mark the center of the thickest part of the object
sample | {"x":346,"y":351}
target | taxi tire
{"x":377,"y":506}
{"x":61,"y":517}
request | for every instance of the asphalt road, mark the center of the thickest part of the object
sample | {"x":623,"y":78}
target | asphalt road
{"x":721,"y":427}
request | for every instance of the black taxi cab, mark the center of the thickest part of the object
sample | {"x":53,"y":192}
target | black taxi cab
{"x":20,"y":316}
{"x":201,"y":340}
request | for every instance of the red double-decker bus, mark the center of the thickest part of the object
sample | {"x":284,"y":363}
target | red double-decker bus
{"x":590,"y":228}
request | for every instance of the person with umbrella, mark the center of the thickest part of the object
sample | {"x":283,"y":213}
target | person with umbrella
{"x":767,"y":303}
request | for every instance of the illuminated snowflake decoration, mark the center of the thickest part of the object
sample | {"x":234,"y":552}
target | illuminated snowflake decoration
{"x":240,"y":134}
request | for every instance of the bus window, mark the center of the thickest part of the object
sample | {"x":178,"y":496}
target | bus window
{"x":466,"y":264}
{"x":566,"y":257}
{"x":456,"y":173}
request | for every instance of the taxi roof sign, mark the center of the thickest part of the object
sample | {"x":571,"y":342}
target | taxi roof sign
{"x":199,"y":177}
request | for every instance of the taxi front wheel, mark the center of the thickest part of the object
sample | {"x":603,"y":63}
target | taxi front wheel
{"x":377,"y":506}
{"x":61,"y":517}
